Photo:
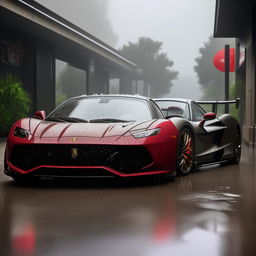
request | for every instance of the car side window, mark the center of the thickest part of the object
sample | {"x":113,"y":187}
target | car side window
{"x":198,"y":112}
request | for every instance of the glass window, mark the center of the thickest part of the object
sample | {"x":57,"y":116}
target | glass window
{"x":198,"y":112}
{"x":170,"y":108}
{"x":140,"y":87}
{"x":70,"y":81}
{"x":114,"y":86}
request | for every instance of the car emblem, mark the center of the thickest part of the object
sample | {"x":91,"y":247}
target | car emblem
{"x":74,"y":153}
{"x":74,"y":139}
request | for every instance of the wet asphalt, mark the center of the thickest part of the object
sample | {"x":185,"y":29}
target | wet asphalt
{"x":210,"y":212}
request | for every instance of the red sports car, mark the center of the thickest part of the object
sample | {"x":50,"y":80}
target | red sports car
{"x":105,"y":135}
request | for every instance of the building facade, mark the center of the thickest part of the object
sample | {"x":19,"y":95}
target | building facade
{"x":238,"y":19}
{"x":34,"y":42}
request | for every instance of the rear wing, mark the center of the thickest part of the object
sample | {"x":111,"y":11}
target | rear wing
{"x":215,"y":103}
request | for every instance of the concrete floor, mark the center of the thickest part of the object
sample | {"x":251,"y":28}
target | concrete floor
{"x":210,"y":212}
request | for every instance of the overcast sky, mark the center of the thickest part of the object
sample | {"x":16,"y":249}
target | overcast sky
{"x":182,"y":25}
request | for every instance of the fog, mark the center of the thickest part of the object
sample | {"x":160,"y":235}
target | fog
{"x":183,"y":26}
{"x":90,"y":15}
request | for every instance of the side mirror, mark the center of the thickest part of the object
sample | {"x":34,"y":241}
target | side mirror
{"x":40,"y":114}
{"x":207,"y":116}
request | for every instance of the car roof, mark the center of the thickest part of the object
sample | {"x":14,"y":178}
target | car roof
{"x":135,"y":96}
{"x":173,"y":99}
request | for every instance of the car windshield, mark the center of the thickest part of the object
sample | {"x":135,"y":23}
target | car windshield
{"x":173,"y":108}
{"x":101,"y":110}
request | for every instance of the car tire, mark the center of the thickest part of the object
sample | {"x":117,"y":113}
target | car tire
{"x":236,"y":149}
{"x":185,"y":152}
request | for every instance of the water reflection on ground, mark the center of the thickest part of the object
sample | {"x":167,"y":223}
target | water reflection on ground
{"x":210,"y":212}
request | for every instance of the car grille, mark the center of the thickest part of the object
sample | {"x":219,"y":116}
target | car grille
{"x":72,"y":172}
{"x":125,"y":159}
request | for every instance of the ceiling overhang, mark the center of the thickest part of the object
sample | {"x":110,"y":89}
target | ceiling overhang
{"x":40,"y":21}
{"x":231,"y":17}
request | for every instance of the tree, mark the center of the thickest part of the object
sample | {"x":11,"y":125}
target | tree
{"x":71,"y":82}
{"x":211,"y":79}
{"x":155,"y":66}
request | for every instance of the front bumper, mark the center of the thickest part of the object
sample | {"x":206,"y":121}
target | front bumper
{"x":68,"y":160}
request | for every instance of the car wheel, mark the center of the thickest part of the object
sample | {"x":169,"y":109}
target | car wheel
{"x":185,"y":152}
{"x":236,"y":149}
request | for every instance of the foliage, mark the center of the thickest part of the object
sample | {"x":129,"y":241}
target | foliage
{"x":155,"y":66}
{"x":14,"y":103}
{"x":211,"y":80}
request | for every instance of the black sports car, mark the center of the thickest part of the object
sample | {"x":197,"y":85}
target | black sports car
{"x":215,"y":139}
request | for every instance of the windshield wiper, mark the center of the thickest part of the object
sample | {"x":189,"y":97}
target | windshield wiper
{"x":67,"y":119}
{"x":110,"y":120}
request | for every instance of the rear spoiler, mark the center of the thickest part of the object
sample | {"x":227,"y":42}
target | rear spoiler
{"x":215,"y":103}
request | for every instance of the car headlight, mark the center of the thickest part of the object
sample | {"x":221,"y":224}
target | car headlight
{"x":143,"y":134}
{"x":21,"y":133}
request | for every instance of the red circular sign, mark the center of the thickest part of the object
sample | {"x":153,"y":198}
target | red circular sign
{"x":219,"y":60}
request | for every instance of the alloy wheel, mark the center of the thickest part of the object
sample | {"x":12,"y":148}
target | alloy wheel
{"x":185,"y":152}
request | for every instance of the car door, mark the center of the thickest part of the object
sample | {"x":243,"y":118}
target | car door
{"x":208,"y":134}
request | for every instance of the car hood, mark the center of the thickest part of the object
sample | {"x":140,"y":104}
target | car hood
{"x":46,"y":129}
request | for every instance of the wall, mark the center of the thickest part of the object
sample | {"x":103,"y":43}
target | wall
{"x":248,"y":40}
{"x":45,"y":77}
{"x":17,"y":57}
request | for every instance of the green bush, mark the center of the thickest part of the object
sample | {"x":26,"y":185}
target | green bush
{"x":14,"y":103}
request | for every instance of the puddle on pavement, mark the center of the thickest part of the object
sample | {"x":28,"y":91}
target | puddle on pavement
{"x":213,"y":200}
